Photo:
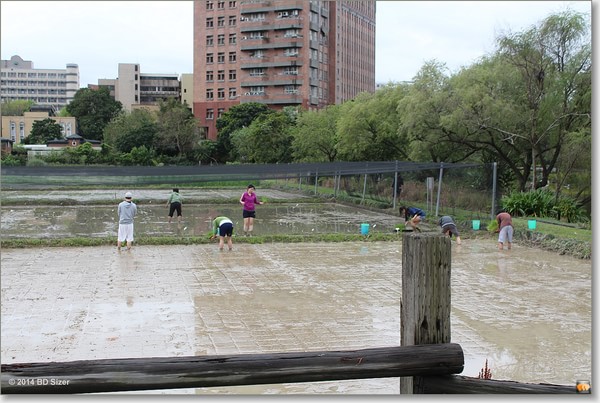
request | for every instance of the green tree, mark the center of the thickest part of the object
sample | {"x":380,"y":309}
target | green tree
{"x":178,"y":132}
{"x":315,"y":135}
{"x":43,"y":131}
{"x":421,"y":112}
{"x":93,"y":110}
{"x":15,"y":108}
{"x":368,"y":127}
{"x":521,"y":103}
{"x":235,"y":118}
{"x":131,"y":129}
{"x":549,"y":58}
{"x":267,"y":140}
{"x":142,"y":155}
{"x":206,"y":152}
{"x":63,"y":113}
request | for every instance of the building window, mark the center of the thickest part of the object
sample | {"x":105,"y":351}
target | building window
{"x":257,"y":17}
{"x":257,"y":90}
{"x":232,"y":21}
{"x":232,"y":57}
{"x":257,"y":54}
{"x":63,"y":129}
{"x":221,"y":5}
{"x":220,"y":112}
{"x":209,"y":40}
{"x":210,"y":22}
{"x":209,"y":94}
{"x":291,"y":33}
{"x":288,"y":14}
{"x":292,"y":71}
{"x":257,"y":35}
{"x":232,"y":75}
{"x":209,"y":75}
{"x":69,"y":129}
{"x":221,"y":75}
{"x":221,"y":93}
{"x":13,"y":131}
{"x":257,"y":72}
{"x":209,"y":58}
{"x":221,"y":57}
{"x":209,"y":5}
{"x":21,"y":131}
{"x":210,"y":114}
{"x":232,"y":4}
{"x":290,"y":89}
{"x":221,"y":39}
{"x":232,"y":39}
{"x":221,"y":22}
{"x":290,"y":52}
{"x":232,"y":93}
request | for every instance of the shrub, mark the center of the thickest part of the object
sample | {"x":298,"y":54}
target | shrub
{"x":568,"y":208}
{"x":542,"y":203}
{"x":13,"y":160}
{"x":538,"y":203}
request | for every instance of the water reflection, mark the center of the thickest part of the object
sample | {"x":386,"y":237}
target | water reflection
{"x":152,"y":220}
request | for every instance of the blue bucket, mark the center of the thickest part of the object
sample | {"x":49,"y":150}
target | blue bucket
{"x":476,"y":224}
{"x":364,"y":229}
{"x":531,"y":224}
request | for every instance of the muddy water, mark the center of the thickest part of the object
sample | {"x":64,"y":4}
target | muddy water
{"x":527,"y":312}
{"x":152,"y":220}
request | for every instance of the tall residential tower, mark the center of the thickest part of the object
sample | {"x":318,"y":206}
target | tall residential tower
{"x":280,"y":53}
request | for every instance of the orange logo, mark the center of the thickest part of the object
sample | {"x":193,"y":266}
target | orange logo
{"x":583,"y":387}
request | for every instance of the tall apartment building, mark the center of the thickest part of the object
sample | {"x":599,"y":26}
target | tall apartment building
{"x":46,"y":87}
{"x":136,"y":89}
{"x":281,"y":53}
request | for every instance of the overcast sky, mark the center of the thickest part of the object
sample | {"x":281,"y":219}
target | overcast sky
{"x":98,"y":35}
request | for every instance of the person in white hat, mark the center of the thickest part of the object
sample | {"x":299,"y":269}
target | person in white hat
{"x":127,"y":210}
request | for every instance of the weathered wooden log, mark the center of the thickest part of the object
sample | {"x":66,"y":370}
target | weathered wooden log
{"x":129,"y":374}
{"x":425,"y":307}
{"x":463,"y":384}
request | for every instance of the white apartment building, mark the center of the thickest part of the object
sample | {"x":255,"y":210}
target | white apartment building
{"x":46,"y":87}
{"x":135,"y":89}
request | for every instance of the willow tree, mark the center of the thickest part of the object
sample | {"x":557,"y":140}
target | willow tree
{"x":268,"y":139}
{"x":521,"y":103}
{"x":420,"y":113}
{"x":367,"y":129}
{"x":315,"y":135}
{"x":552,"y":60}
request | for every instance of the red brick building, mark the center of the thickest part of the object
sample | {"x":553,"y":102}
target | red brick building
{"x":280,"y":53}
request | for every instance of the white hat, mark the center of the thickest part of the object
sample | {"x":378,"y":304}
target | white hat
{"x":128,"y":195}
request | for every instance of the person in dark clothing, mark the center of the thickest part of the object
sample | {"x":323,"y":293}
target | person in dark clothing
{"x":413,"y":216}
{"x":449,"y":227}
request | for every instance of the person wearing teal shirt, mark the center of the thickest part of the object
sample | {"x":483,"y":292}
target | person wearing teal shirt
{"x":223,"y":227}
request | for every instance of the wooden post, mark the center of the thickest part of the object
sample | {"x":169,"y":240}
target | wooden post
{"x":425,"y":304}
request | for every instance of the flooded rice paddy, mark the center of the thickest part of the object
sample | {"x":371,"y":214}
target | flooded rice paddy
{"x":528,"y":312}
{"x":152,"y":220}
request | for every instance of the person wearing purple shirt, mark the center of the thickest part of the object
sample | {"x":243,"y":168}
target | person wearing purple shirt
{"x":249,"y":200}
